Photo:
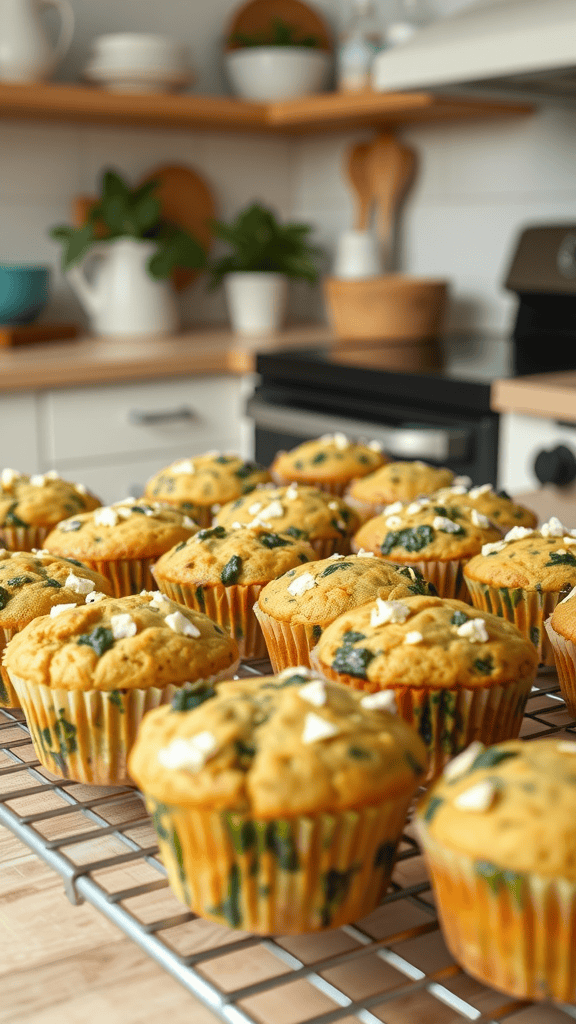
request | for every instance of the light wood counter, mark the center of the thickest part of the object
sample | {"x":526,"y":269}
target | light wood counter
{"x":543,"y":394}
{"x":104,"y":360}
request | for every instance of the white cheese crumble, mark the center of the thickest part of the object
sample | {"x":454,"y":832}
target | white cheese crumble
{"x":445,"y":524}
{"x":341,"y":441}
{"x":415,"y":507}
{"x":362,"y":553}
{"x":52,"y":474}
{"x":159,"y":600}
{"x":180,"y":624}
{"x":240,"y":526}
{"x":57,"y":608}
{"x":123,"y":625}
{"x":8,"y":554}
{"x":301,"y":584}
{"x":123,"y":512}
{"x":184,"y":466}
{"x":189,"y":523}
{"x":335,"y":557}
{"x":489,"y":549}
{"x":474,"y":630}
{"x":413,"y":637}
{"x":569,"y":541}
{"x":68,"y":525}
{"x":475,"y":492}
{"x":457,"y":489}
{"x":8,"y":476}
{"x":81,"y":488}
{"x":479,"y":520}
{"x":254,"y":508}
{"x":383,"y":700}
{"x":291,"y":492}
{"x":391,"y":510}
{"x":96,"y":595}
{"x":274,"y":510}
{"x":459,"y":765}
{"x":79,"y":584}
{"x":463,"y":481}
{"x":388,"y":611}
{"x":479,"y":798}
{"x":375,"y":446}
{"x":317,"y":728}
{"x":130,"y":500}
{"x":333,"y":505}
{"x":38,"y":480}
{"x":553,"y":528}
{"x":105,"y":516}
{"x":314,"y":693}
{"x":393,"y":522}
{"x":190,"y":754}
{"x":518,"y":533}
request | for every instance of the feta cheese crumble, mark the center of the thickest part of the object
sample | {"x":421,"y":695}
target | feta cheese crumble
{"x":57,"y":608}
{"x":391,"y":510}
{"x":413,"y":637}
{"x":383,"y":700}
{"x":314,"y":693}
{"x":79,"y":584}
{"x":445,"y":525}
{"x":180,"y":624}
{"x":189,"y":754}
{"x":473,"y":630}
{"x":8,"y":476}
{"x":479,"y":798}
{"x":388,"y":611}
{"x":393,"y":522}
{"x":184,"y":466}
{"x":479,"y":520}
{"x":105,"y":516}
{"x":459,"y":765}
{"x":518,"y":533}
{"x":301,"y":584}
{"x":317,"y":728}
{"x":553,"y":528}
{"x":123,"y":625}
{"x":475,"y":492}
{"x":490,"y":549}
{"x":96,"y":595}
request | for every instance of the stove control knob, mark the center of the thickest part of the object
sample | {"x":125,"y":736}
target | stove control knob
{"x":555,"y":466}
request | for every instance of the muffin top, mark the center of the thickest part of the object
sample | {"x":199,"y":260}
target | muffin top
{"x":401,"y":481}
{"x":318,"y":593}
{"x":511,"y":807}
{"x":563,"y":618}
{"x":277,"y":746}
{"x":497,"y":505}
{"x":40,"y":500}
{"x":331,"y":457}
{"x":205,"y":480}
{"x":127,"y":529}
{"x":120,"y":644}
{"x":425,"y":530}
{"x":32,"y":584}
{"x":543,"y":560}
{"x":250,"y":554}
{"x":425,"y":641}
{"x":300,"y":511}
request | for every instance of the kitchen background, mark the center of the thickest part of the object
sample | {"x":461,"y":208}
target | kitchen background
{"x":477,"y":185}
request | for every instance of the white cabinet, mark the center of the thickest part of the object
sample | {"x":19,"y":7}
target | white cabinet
{"x":19,"y":432}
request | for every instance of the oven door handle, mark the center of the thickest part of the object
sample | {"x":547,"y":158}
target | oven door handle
{"x":437,"y":443}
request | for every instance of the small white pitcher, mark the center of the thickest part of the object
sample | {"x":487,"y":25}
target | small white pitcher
{"x":26,"y":54}
{"x":123,"y":298}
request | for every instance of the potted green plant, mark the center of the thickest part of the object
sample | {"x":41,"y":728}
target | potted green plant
{"x":139,"y":250}
{"x":264,"y":255}
{"x":278,"y":64}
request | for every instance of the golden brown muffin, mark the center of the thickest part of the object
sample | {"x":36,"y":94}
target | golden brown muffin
{"x":437,"y":539}
{"x":397,"y":481}
{"x":523,"y":576}
{"x":221,"y":572}
{"x":86,"y":675}
{"x":31,"y":505}
{"x":498,"y":506}
{"x":122,"y":541}
{"x":499,"y":834}
{"x":302,"y":512}
{"x":455,"y":673}
{"x":328,"y":462}
{"x":198,"y":484}
{"x":561,"y":631}
{"x":305,"y":787}
{"x":295,"y":608}
{"x":33,"y":584}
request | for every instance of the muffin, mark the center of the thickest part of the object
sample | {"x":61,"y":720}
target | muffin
{"x":330,"y":463}
{"x":456,"y":674}
{"x":302,"y":512}
{"x":523,"y":577}
{"x":221,"y":572}
{"x":498,"y":506}
{"x":198,"y":484}
{"x":437,"y":539}
{"x":397,"y":481}
{"x":294,"y":609}
{"x":30,"y":506}
{"x":31,"y":584}
{"x":561,"y":631}
{"x":85,"y":676}
{"x":279,"y":802}
{"x":499,"y":834}
{"x":122,"y":541}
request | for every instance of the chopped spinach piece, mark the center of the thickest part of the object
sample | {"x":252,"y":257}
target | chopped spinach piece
{"x":4,"y":597}
{"x":11,"y":519}
{"x":302,"y":557}
{"x":242,"y":833}
{"x":334,"y":568}
{"x":138,"y":508}
{"x":417,"y":585}
{"x":490,"y":757}
{"x":353,"y":660}
{"x":336,"y":885}
{"x":433,"y":805}
{"x":181,"y":545}
{"x":411,"y":539}
{"x":496,"y":879}
{"x":413,"y":764}
{"x":49,"y":582}
{"x":359,"y":754}
{"x":561,"y":558}
{"x":293,"y":531}
{"x":319,"y":457}
{"x":246,"y":469}
{"x":298,"y":464}
{"x":19,"y":581}
{"x":100,"y":640}
{"x":459,"y":618}
{"x":244,"y":751}
{"x":199,"y":595}
{"x":363,"y":459}
{"x":214,"y":531}
{"x":191,"y":695}
{"x":273,"y":540}
{"x":280,"y":841}
{"x":223,"y":460}
{"x":352,"y":635}
{"x":517,"y":596}
{"x":506,"y":600}
{"x":231,"y":570}
{"x":535,"y":635}
{"x":484,"y":665}
{"x":316,"y":632}
{"x":230,"y":906}
{"x":115,"y":697}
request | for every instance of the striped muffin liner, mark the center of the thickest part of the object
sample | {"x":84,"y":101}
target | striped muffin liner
{"x":283,"y":876}
{"x":527,"y":609}
{"x":87,"y":735}
{"x":447,"y":577}
{"x":326,"y":546}
{"x":8,"y":695}
{"x":125,"y":575}
{"x":365,"y":509}
{"x":23,"y":538}
{"x":513,"y":931}
{"x":449,"y":719}
{"x":564,"y":652}
{"x":288,"y":643}
{"x":231,"y":607}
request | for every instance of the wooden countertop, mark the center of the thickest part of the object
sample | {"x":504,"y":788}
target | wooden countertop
{"x":543,"y":394}
{"x":92,"y":360}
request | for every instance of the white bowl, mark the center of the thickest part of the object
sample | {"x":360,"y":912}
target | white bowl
{"x":138,"y":51}
{"x":268,"y":73}
{"x":146,"y":80}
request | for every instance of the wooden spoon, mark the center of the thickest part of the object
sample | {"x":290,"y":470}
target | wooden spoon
{"x":391,"y":171}
{"x":359,"y":175}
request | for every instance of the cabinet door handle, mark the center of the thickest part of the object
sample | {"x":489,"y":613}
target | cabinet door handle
{"x":139,"y":418}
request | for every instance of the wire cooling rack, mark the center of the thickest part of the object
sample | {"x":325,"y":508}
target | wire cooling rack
{"x":391,"y":967}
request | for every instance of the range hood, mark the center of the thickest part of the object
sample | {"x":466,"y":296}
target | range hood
{"x":525,"y":48}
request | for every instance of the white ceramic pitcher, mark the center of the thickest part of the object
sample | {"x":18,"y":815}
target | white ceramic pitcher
{"x":122,"y":298}
{"x":26,"y":54}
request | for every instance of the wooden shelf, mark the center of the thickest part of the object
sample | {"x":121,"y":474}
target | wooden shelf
{"x":323,"y":112}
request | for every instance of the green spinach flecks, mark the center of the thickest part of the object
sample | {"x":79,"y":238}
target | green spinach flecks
{"x":484,"y":666}
{"x":11,"y":519}
{"x":231,"y":571}
{"x":4,"y":597}
{"x":191,"y":695}
{"x":273,"y":540}
{"x":413,"y":538}
{"x":199,"y":595}
{"x":535,"y":635}
{"x":498,"y":879}
{"x":491,"y":757}
{"x":561,"y":558}
{"x":335,"y":567}
{"x":434,"y":804}
{"x":214,"y":531}
{"x":459,"y":618}
{"x":352,"y":660}
{"x":100,"y":640}
{"x":19,"y":581}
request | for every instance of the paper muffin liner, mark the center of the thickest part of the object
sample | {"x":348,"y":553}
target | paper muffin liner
{"x":8,"y":695}
{"x":231,"y":607}
{"x":514,"y":932}
{"x":527,"y":609}
{"x":288,"y":643}
{"x":23,"y":538}
{"x":451,"y":718}
{"x":564,"y":652}
{"x":366,"y":509}
{"x":126,"y":575}
{"x":326,"y":546}
{"x":285,"y":876}
{"x":87,"y":735}
{"x":446,"y":576}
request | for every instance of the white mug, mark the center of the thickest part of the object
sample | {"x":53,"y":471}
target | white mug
{"x":357,"y":255}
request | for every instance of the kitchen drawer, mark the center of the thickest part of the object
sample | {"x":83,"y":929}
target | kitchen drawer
{"x":18,"y":435}
{"x":190,"y":416}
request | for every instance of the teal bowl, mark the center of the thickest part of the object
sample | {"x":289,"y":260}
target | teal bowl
{"x":23,"y":292}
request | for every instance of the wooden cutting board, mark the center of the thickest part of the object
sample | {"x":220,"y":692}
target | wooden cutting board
{"x":186,"y":201}
{"x":256,"y":18}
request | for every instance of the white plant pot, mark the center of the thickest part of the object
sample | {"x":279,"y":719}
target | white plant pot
{"x":256,"y":301}
{"x":269,"y":73}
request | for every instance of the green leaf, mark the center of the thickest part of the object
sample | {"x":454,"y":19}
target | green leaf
{"x":77,"y":244}
{"x":113,"y":185}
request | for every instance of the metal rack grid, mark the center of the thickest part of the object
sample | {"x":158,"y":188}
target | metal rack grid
{"x":390,"y":967}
